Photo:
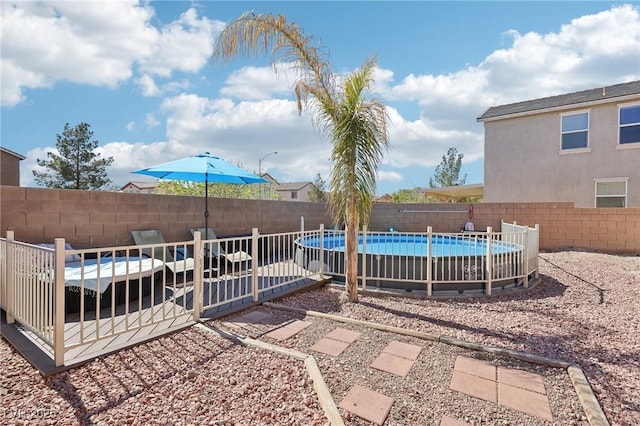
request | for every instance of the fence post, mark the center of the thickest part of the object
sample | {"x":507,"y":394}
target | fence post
{"x":537,"y":273}
{"x":489,"y":260}
{"x":364,"y":257}
{"x":526,"y":257}
{"x":10,"y":270}
{"x":58,"y":319}
{"x":429,"y":261}
{"x":198,"y":275}
{"x":255,"y":235}
{"x":322,"y":251}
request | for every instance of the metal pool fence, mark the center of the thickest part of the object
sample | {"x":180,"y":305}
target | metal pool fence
{"x":69,"y":298}
{"x":462,"y":263}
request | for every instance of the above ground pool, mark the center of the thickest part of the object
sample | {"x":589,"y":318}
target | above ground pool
{"x":401,"y":260}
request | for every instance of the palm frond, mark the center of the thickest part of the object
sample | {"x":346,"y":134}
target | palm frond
{"x":253,"y":34}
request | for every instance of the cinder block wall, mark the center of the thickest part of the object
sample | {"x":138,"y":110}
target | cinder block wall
{"x":99,"y":219}
{"x":562,"y":225}
{"x":93,"y":219}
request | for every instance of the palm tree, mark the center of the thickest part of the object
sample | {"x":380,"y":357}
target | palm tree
{"x":357,"y":126}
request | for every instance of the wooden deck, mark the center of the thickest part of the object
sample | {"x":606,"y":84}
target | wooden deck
{"x":156,"y":315}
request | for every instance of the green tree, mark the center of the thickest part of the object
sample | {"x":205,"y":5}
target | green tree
{"x":355,"y":123}
{"x":77,"y":165}
{"x":318,"y":193}
{"x":448,"y":171}
{"x":216,"y":190}
{"x":407,"y":196}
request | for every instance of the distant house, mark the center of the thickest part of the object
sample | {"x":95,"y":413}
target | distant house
{"x":582,"y":147}
{"x":294,"y":191}
{"x":386,"y":198}
{"x":10,"y":167}
{"x":140,"y":187}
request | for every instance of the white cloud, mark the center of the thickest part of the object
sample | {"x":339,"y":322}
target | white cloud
{"x":185,"y":44}
{"x":244,"y":131}
{"x":259,"y":83}
{"x":449,"y":103}
{"x":48,"y":42}
{"x":147,"y":86}
{"x":257,"y":113}
{"x":590,"y":51}
{"x":151,"y":121}
{"x":389,"y":176}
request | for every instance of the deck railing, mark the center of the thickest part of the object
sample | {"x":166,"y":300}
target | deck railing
{"x":436,"y":261}
{"x":28,"y":287}
{"x":106,"y":292}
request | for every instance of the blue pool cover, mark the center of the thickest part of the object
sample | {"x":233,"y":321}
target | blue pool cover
{"x":412,"y":245}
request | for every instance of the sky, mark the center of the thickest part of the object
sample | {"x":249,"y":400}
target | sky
{"x":140,"y":73}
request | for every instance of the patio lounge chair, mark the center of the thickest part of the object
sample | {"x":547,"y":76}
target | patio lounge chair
{"x":177,"y":262}
{"x":217,"y":251}
{"x":94,"y":278}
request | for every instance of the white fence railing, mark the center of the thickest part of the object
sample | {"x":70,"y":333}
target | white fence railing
{"x":532,"y":244}
{"x":105,"y":292}
{"x":431,"y":261}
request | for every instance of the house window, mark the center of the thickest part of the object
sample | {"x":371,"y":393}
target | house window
{"x":575,"y":130}
{"x":629,"y":124}
{"x":611,"y":193}
{"x":294,"y":195}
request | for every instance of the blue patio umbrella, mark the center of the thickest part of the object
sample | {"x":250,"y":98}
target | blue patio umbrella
{"x":205,"y":168}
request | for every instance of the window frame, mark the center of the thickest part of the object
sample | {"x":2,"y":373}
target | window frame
{"x":611,"y":180}
{"x":626,"y":145}
{"x":587,"y":130}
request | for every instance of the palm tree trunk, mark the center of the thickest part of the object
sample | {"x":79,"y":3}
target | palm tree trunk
{"x":351,"y":284}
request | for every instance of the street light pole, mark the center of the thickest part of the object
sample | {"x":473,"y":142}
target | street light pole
{"x":260,"y":169}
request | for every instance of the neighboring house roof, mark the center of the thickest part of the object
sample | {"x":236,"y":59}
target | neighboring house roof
{"x":292,"y":186}
{"x":268,"y":177}
{"x":457,"y":191}
{"x":584,"y":97}
{"x":140,"y":185}
{"x":15,"y":154}
{"x":386,"y":198}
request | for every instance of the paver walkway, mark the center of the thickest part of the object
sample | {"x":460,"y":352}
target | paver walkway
{"x":520,"y":390}
{"x":397,"y":358}
{"x":515,"y":389}
{"x":336,"y":342}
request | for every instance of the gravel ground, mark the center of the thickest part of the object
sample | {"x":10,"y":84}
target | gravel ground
{"x":586,"y":310}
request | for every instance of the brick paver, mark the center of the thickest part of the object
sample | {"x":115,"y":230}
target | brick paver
{"x":476,"y":386}
{"x":527,"y":401}
{"x":392,"y":364}
{"x":367,"y":404}
{"x":336,"y":342}
{"x":475,"y":367}
{"x":521,"y":379}
{"x":516,"y":389}
{"x":402,"y":349}
{"x":253,"y":317}
{"x":330,"y":346}
{"x":344,"y":335}
{"x":288,"y":330}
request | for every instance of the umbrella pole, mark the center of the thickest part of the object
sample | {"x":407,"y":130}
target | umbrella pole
{"x":206,"y":208}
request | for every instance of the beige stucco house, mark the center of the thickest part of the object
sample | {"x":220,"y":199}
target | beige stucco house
{"x":10,"y":167}
{"x":140,"y":187}
{"x":294,"y":191}
{"x":582,"y":147}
